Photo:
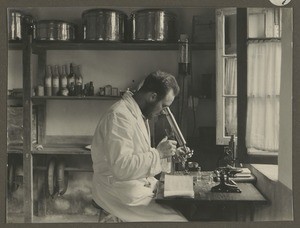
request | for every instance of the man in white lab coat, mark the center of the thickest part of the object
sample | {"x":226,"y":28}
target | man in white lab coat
{"x":124,"y":162}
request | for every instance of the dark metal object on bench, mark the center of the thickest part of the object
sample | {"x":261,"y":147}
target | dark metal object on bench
{"x":227,"y":185}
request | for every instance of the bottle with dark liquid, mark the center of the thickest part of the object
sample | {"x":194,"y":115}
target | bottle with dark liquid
{"x":86,"y":90}
{"x":91,"y":89}
{"x":184,"y":65}
{"x":48,"y":81}
{"x":78,"y":82}
{"x":71,"y":77}
{"x":55,"y":81}
{"x":72,"y":89}
{"x":63,"y":78}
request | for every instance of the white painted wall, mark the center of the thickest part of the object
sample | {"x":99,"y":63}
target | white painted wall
{"x":286,"y":109}
{"x":15,"y":76}
{"x":117,"y":68}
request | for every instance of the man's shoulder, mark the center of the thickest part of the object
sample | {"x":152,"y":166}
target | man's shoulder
{"x":118,"y":109}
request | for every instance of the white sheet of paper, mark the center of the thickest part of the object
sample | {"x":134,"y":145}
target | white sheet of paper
{"x":178,"y":186}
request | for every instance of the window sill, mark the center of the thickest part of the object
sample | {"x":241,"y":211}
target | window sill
{"x":268,"y":171}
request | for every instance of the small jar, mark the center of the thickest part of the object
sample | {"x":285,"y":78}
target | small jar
{"x":102,"y":91}
{"x":194,"y":170}
{"x":40,"y":90}
{"x":115,"y":92}
{"x":64,"y":92}
{"x":108,"y":90}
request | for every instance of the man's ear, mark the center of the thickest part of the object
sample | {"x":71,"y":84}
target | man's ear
{"x":153,"y":97}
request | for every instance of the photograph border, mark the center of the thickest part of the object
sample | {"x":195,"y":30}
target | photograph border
{"x":295,"y":4}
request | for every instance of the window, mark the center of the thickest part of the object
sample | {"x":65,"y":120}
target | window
{"x":262,"y":84}
{"x":263,"y":81}
{"x":226,"y":80}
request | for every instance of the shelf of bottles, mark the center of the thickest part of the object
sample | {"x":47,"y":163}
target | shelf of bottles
{"x":100,"y":45}
{"x":40,"y":98}
{"x":59,"y":85}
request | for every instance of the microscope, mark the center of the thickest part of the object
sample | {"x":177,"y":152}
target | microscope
{"x":178,"y":135}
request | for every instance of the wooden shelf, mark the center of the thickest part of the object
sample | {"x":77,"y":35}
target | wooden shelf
{"x":76,"y":98}
{"x":15,"y":45}
{"x":14,"y":149}
{"x":62,"y":149}
{"x":100,"y":45}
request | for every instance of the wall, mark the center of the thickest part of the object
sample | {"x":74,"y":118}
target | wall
{"x":286,"y":109}
{"x":72,"y":118}
{"x":116,"y":68}
{"x":280,"y":197}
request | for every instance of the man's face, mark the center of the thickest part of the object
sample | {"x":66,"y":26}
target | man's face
{"x":154,"y":108}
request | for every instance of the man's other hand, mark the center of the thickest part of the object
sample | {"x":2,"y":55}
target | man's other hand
{"x":166,"y":148}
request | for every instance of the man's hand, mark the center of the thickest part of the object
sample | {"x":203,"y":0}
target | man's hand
{"x":180,"y":155}
{"x":166,"y":148}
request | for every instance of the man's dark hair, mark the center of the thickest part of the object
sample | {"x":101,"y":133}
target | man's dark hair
{"x":161,"y":83}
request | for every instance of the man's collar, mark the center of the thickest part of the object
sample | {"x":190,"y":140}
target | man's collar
{"x":132,"y":104}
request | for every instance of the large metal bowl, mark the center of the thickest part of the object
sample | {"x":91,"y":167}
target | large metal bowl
{"x":153,"y":25}
{"x":54,"y":30}
{"x":104,"y":25}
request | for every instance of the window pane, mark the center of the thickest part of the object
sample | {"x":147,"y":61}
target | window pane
{"x":230,"y":116}
{"x":230,"y":34}
{"x":230,"y":81}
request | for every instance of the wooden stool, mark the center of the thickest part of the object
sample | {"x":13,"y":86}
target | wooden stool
{"x":104,"y":216}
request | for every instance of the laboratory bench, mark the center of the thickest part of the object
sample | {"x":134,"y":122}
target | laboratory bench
{"x":215,"y":206}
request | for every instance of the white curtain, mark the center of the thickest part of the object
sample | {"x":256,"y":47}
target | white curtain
{"x":230,"y":89}
{"x":264,"y":72}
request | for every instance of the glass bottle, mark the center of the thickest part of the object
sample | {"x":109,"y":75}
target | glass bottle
{"x":86,"y":91}
{"x":48,"y":81}
{"x":71,"y":76}
{"x":71,"y":89}
{"x":91,"y":89}
{"x":55,"y":81}
{"x":184,"y":65}
{"x":63,"y":78}
{"x":78,"y":82}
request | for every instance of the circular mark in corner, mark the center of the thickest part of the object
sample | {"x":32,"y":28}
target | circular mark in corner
{"x":280,"y":2}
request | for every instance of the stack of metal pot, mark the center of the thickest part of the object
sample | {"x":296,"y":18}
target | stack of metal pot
{"x":143,"y":25}
{"x":55,"y":30}
{"x":16,"y":24}
{"x":153,"y":25}
{"x":104,"y":25}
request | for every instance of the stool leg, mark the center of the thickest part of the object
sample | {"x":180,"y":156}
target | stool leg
{"x":100,"y":214}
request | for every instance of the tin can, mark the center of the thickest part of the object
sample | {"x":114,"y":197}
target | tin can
{"x":102,"y":91}
{"x":108,"y":90}
{"x":115,"y":92}
{"x":40,"y":90}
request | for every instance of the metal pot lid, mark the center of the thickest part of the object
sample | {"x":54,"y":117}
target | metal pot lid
{"x":17,"y":12}
{"x":101,"y":11}
{"x":153,"y":11}
{"x":54,"y":23}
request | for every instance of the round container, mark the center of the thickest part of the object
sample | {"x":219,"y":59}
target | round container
{"x":54,"y":30}
{"x":16,"y":23}
{"x":153,"y":25}
{"x":104,"y":25}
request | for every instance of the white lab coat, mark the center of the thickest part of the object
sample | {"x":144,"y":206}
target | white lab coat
{"x":124,"y":166}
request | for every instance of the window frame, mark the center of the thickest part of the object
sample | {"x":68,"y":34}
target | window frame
{"x":243,"y":155}
{"x":241,"y":53}
{"x":221,"y":139}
